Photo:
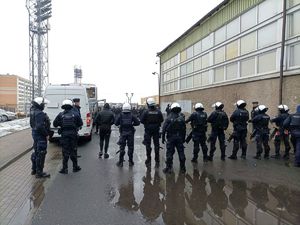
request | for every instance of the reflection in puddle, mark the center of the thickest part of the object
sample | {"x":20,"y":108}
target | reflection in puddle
{"x":151,"y":205}
{"x":201,"y":198}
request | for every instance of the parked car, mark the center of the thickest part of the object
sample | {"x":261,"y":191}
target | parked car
{"x":7,"y":115}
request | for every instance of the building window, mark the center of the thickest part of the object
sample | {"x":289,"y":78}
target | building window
{"x":197,"y":80}
{"x":189,"y":82}
{"x":248,"y":19}
{"x":205,"y":61}
{"x":219,"y":74}
{"x":292,"y":3}
{"x":189,"y":67}
{"x":220,"y":35}
{"x":248,"y":67}
{"x":232,"y":50}
{"x":248,"y":43}
{"x":183,"y":83}
{"x":197,"y":48}
{"x":205,"y":78}
{"x":219,"y":55}
{"x":294,"y":28}
{"x":267,"y":62}
{"x":233,"y":28}
{"x":206,"y":43}
{"x":197,"y":64}
{"x":183,"y":56}
{"x":295,"y":55}
{"x":183,"y":70}
{"x":189,"y":52}
{"x":267,"y":9}
{"x":231,"y":71}
{"x":267,"y":35}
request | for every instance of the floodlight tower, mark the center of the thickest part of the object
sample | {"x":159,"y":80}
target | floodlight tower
{"x":39,"y":12}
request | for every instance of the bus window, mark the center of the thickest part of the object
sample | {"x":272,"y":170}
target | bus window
{"x":91,"y":92}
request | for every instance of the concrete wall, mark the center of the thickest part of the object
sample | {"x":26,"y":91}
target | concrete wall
{"x":264,"y":91}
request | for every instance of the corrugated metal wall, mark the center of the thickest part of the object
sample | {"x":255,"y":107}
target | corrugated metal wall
{"x":233,"y":9}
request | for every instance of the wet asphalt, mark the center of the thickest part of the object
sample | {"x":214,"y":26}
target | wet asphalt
{"x":232,"y":192}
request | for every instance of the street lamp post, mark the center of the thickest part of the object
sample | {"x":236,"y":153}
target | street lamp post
{"x":129,"y":97}
{"x":155,"y":73}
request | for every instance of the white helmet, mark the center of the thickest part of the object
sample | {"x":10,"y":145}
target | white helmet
{"x":218,"y":105}
{"x":150,"y":101}
{"x":262,"y":108}
{"x":175,"y":105}
{"x":199,"y":106}
{"x":126,"y":107}
{"x":67,"y":102}
{"x":41,"y":100}
{"x":283,"y":108}
{"x":241,"y":103}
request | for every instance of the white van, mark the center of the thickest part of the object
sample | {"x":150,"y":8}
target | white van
{"x":56,"y":94}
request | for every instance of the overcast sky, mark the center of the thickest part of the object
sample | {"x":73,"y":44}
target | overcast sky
{"x":115,"y":42}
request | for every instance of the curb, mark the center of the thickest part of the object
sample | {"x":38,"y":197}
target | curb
{"x":15,"y":158}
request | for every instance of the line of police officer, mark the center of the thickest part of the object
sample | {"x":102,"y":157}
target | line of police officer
{"x":174,"y":130}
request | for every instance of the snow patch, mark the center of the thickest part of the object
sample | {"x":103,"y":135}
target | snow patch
{"x":13,"y":126}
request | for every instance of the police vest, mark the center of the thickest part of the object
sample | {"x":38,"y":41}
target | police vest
{"x":126,"y":120}
{"x":153,"y":117}
{"x":242,"y":117}
{"x":176,"y":125}
{"x":295,"y":121}
{"x":68,"y":121}
{"x":264,"y":122}
{"x":219,"y":121}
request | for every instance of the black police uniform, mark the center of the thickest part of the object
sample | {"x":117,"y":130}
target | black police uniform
{"x":69,"y":123}
{"x":219,"y":122}
{"x":40,"y":124}
{"x":281,"y":134}
{"x":198,"y":121}
{"x":104,"y":120}
{"x":126,"y":121}
{"x":174,"y":127}
{"x":239,"y":118}
{"x":293,"y":124}
{"x":76,"y":109}
{"x":152,"y":119}
{"x":261,"y":123}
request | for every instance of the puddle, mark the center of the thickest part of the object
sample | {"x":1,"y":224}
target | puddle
{"x":200,"y":198}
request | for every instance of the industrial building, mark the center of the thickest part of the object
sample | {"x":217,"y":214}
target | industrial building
{"x":234,"y":52}
{"x":15,"y":93}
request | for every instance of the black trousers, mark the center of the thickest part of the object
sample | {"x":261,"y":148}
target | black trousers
{"x":104,"y":135}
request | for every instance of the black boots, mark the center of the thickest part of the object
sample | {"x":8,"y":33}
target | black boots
{"x":42,"y":175}
{"x":64,"y":171}
{"x":76,"y":168}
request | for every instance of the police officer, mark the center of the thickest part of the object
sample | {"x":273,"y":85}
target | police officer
{"x":76,"y":109}
{"x":126,"y":120}
{"x":198,"y":121}
{"x":39,"y":122}
{"x":152,"y":119}
{"x":104,"y":120}
{"x":219,"y":122}
{"x":293,"y":124}
{"x":239,"y":118}
{"x":261,"y":124}
{"x":281,"y":133}
{"x":69,"y":123}
{"x":174,"y":127}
